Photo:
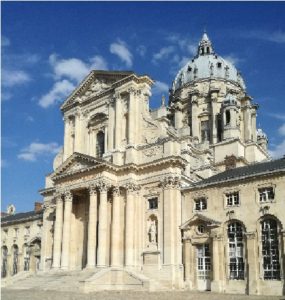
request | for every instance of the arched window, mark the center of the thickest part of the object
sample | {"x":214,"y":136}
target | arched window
{"x":15,"y":253}
{"x":270,"y":250}
{"x":26,"y":252}
{"x":100,"y":141}
{"x":236,"y":256}
{"x":4,"y":262}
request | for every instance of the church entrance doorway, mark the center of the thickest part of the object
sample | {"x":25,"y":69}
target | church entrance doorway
{"x":203,"y":267}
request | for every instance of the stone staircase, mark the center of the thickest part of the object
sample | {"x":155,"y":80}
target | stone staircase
{"x":53,"y":280}
{"x":84,"y":280}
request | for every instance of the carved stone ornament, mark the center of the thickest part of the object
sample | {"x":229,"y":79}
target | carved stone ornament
{"x":153,"y":151}
{"x":132,"y":187}
{"x":171,"y":182}
{"x":116,"y":191}
{"x":250,"y":235}
{"x":68,"y":195}
{"x":103,"y":186}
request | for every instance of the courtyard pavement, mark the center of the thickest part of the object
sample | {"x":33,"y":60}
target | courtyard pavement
{"x":7,"y":294}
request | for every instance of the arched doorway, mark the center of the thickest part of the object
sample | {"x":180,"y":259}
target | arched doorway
{"x":26,"y":255}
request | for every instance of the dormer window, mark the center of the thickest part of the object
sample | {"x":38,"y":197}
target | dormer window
{"x":219,"y":64}
{"x":208,"y":50}
{"x":189,"y":69}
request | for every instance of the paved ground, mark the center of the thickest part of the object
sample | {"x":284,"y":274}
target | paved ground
{"x":120,"y":295}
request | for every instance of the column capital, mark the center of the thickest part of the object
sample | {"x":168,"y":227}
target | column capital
{"x":68,"y":196}
{"x":171,"y":182}
{"x":92,"y":190}
{"x":103,"y":186}
{"x":116,"y":191}
{"x":250,"y":235}
{"x":131,"y":187}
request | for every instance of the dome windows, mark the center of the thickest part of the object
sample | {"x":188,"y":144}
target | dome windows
{"x":219,"y":65}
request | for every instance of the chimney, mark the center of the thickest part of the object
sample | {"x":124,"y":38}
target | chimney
{"x":38,"y":207}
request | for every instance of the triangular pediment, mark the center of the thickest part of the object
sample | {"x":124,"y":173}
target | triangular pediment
{"x":200,"y":218}
{"x":96,"y":83}
{"x":76,"y":163}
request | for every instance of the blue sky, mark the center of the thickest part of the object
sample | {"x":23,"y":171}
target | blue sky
{"x":48,"y":47}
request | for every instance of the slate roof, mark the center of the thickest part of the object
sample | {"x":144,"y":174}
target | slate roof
{"x":20,"y":217}
{"x":257,"y":169}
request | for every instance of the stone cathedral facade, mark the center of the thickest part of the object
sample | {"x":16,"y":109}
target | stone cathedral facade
{"x":125,"y":198}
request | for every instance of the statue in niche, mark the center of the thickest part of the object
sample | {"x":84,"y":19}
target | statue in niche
{"x":152,"y":232}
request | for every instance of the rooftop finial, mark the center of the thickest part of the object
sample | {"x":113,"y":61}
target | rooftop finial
{"x":205,"y":45}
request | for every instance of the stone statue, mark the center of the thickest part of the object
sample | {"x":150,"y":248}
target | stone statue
{"x":152,"y":232}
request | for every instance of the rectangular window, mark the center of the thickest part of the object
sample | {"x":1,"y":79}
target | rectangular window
{"x":233,"y":199}
{"x":266,"y":194}
{"x":200,"y":204}
{"x":152,"y":203}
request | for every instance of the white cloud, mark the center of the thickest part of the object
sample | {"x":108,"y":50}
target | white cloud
{"x":3,"y":163}
{"x":72,"y":68}
{"x":35,"y":150}
{"x":12,"y":78}
{"x":277,"y":36}
{"x":141,"y":50}
{"x":98,"y":63}
{"x":67,"y":73}
{"x":59,"y":91}
{"x":185,"y":44}
{"x":233,"y":59}
{"x":278,"y":151}
{"x":6,"y":95}
{"x":281,"y":131}
{"x":277,"y":116}
{"x":160,"y":88}
{"x":163,"y":53}
{"x":120,"y":49}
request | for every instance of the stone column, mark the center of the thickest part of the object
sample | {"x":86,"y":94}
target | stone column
{"x":116,"y":230}
{"x":253,"y":122}
{"x":105,"y":139}
{"x":187,"y":260}
{"x":102,"y":230}
{"x":216,"y":263}
{"x":247,"y":123}
{"x":57,"y":232}
{"x":178,"y":116}
{"x":252,"y":267}
{"x":92,"y":224}
{"x":118,"y":122}
{"x":129,"y":230}
{"x":111,"y":125}
{"x":195,"y":121}
{"x":66,"y":230}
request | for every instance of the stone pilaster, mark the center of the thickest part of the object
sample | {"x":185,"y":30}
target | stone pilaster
{"x":116,"y":230}
{"x":111,"y":125}
{"x":252,"y":264}
{"x":132,"y":116}
{"x":118,"y":121}
{"x":216,"y":263}
{"x":102,"y":230}
{"x":91,"y":246}
{"x":66,"y":230}
{"x":214,"y":132}
{"x":78,"y":143}
{"x":187,"y":261}
{"x":57,"y":240}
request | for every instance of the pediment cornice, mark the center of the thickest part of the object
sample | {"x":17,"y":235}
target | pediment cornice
{"x":202,"y":218}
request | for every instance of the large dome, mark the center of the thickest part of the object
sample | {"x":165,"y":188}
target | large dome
{"x":207,"y":64}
